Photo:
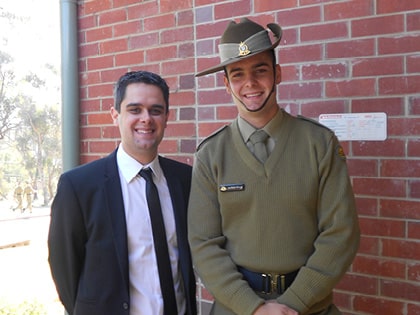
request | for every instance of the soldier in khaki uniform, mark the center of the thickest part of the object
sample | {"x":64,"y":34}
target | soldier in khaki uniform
{"x":18,"y":195}
{"x":272,"y":221}
{"x":28,"y":193}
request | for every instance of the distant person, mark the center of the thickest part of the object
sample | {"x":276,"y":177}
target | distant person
{"x":18,"y":195}
{"x":28,"y":194}
{"x":101,"y":242}
{"x":272,"y":217}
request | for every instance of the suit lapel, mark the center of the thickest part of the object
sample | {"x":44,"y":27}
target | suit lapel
{"x":115,"y":207}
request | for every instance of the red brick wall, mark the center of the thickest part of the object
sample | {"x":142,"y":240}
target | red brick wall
{"x":336,"y":56}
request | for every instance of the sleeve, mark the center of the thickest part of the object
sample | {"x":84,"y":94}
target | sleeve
{"x":66,"y":242}
{"x":339,"y":235}
{"x":211,"y":260}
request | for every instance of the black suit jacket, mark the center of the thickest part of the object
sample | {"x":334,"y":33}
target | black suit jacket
{"x":87,"y":238}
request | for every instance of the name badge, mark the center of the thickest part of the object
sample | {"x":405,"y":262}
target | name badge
{"x":231,"y":187}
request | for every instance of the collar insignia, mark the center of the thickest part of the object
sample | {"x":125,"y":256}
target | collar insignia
{"x":243,"y":49}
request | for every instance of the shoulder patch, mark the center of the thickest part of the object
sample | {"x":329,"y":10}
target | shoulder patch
{"x":340,"y":152}
{"x":211,"y":136}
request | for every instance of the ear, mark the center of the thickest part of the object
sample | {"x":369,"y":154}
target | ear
{"x":227,"y":85}
{"x":114,"y":115}
{"x":278,"y":74}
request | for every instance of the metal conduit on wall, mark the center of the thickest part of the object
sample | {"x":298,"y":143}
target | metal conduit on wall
{"x":69,"y":84}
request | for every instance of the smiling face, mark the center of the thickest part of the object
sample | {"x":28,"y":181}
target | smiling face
{"x":252,"y":83}
{"x":142,"y":120}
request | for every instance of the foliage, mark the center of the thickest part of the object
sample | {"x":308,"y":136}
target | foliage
{"x":24,"y":308}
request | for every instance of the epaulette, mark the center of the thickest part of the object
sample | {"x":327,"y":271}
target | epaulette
{"x":313,"y":121}
{"x":211,"y":136}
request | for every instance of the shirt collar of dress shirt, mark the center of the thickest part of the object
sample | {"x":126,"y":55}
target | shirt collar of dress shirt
{"x":246,"y":129}
{"x":130,"y":168}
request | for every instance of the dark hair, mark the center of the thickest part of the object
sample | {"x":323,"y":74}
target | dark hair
{"x":139,"y":77}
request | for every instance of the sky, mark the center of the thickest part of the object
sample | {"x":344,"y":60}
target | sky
{"x":33,"y":38}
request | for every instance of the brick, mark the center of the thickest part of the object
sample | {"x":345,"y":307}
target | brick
{"x":404,"y":209}
{"x":110,"y":132}
{"x":414,"y":189}
{"x":413,"y":230}
{"x":213,"y":97}
{"x":113,"y":46}
{"x":392,"y":106}
{"x":143,"y":9}
{"x":188,"y":146}
{"x":290,"y":73}
{"x":180,"y":130}
{"x":90,"y":105}
{"x":367,"y":206}
{"x":113,"y":16}
{"x":207,"y":128}
{"x":161,"y":53}
{"x":324,"y":71}
{"x":90,"y":132}
{"x":182,"y":98}
{"x":413,"y":63}
{"x":186,"y":82}
{"x":382,"y":227}
{"x":302,"y":53}
{"x":404,"y":126}
{"x":378,"y":66}
{"x":226,"y":113}
{"x":392,"y":6}
{"x":400,"y":168}
{"x":224,"y":10}
{"x":87,"y":22}
{"x":413,"y":309}
{"x":350,"y":88}
{"x":302,"y":90}
{"x":315,"y":108}
{"x":376,"y":305}
{"x":177,"y":35}
{"x":379,"y":187}
{"x":186,"y":50}
{"x":299,"y":16}
{"x":348,"y":9}
{"x":362,"y":167}
{"x":326,"y":31}
{"x":89,"y":50}
{"x":211,"y":30}
{"x":185,"y":18}
{"x":413,"y":273}
{"x":342,"y":300}
{"x":127,"y":28}
{"x":101,"y":146}
{"x":358,"y":284}
{"x":98,"y":34}
{"x":204,"y":14}
{"x":143,"y":40}
{"x":369,"y":245}
{"x":94,"y":6}
{"x":206,"y":113}
{"x":129,"y":58}
{"x":378,"y":25}
{"x":413,"y":21}
{"x":160,"y":22}
{"x":399,"y":44}
{"x":171,"y":6}
{"x":401,"y":249}
{"x":93,"y":77}
{"x":414,"y":105}
{"x":399,"y":85}
{"x":351,"y":49}
{"x":172,"y":67}
{"x":111,"y":76}
{"x":168,"y":145}
{"x":400,"y":290}
{"x":268,"y":6}
{"x":99,"y":119}
{"x":100,"y":90}
{"x":188,"y":113}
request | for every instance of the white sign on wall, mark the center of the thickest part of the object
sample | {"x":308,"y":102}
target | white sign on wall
{"x":356,"y":126}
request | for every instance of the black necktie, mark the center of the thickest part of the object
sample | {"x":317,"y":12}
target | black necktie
{"x":161,"y":246}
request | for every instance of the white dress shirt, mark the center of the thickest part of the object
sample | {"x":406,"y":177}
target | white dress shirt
{"x":145,"y":293}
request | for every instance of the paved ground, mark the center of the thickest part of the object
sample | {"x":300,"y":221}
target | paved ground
{"x":24,"y":270}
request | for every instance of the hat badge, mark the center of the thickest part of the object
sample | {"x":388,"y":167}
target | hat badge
{"x":243,"y":49}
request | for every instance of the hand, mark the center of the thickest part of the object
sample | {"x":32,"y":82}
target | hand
{"x":271,"y":307}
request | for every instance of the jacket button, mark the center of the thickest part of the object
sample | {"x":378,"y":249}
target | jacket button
{"x":125,"y":305}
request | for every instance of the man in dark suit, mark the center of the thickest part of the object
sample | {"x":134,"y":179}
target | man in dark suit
{"x":101,"y":245}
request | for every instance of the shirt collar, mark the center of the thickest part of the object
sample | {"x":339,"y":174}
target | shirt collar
{"x":130,"y":167}
{"x":246,"y":129}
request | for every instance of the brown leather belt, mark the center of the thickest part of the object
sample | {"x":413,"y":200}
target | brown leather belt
{"x":268,"y":283}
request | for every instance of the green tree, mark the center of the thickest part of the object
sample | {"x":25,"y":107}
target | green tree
{"x":39,"y":144}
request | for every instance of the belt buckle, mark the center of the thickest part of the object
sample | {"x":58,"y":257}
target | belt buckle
{"x":273,"y":283}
